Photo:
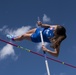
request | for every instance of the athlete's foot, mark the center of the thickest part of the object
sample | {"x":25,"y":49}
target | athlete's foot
{"x":11,"y":37}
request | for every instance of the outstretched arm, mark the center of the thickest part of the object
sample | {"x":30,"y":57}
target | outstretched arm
{"x":54,"y":53}
{"x":45,"y":25}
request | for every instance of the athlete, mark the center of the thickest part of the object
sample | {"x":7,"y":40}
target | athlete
{"x":53,"y":34}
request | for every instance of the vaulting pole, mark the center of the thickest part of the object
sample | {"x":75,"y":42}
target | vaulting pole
{"x":46,"y":62}
{"x":42,"y":41}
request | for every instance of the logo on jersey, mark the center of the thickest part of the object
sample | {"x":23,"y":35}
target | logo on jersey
{"x":51,"y":28}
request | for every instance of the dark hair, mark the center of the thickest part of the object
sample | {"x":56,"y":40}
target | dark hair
{"x":60,"y":35}
{"x":60,"y":30}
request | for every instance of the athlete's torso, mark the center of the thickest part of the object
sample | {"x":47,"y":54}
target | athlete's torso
{"x":47,"y":34}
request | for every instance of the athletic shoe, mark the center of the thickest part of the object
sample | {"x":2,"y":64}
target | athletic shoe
{"x":10,"y":36}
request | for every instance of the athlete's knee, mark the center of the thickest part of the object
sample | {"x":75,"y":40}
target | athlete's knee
{"x":23,"y":36}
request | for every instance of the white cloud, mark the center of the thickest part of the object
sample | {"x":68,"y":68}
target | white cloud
{"x":39,"y":46}
{"x":7,"y":51}
{"x":3,"y":28}
{"x":18,"y":31}
{"x":46,"y":19}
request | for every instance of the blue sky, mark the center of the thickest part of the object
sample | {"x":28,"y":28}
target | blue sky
{"x":17,"y":17}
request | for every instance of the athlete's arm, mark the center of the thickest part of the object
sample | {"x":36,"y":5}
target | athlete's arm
{"x":54,"y":53}
{"x":45,"y":25}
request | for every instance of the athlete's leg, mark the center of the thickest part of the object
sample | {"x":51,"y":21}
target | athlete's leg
{"x":26,"y":36}
{"x":31,"y":31}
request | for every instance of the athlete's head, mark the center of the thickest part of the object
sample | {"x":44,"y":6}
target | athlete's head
{"x":60,"y":35}
{"x":60,"y":30}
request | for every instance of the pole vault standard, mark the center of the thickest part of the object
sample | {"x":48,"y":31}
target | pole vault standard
{"x":46,"y":62}
{"x":28,"y":50}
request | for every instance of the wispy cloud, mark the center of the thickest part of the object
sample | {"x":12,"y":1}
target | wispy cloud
{"x":6,"y":51}
{"x":18,"y":31}
{"x":3,"y":28}
{"x":46,"y":18}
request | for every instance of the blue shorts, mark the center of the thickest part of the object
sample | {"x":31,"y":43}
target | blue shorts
{"x":46,"y":32}
{"x":35,"y":37}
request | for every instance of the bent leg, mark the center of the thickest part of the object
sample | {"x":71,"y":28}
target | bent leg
{"x":31,"y":31}
{"x":26,"y":36}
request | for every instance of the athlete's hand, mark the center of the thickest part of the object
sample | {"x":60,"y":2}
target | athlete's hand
{"x":44,"y":48}
{"x":39,"y":23}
